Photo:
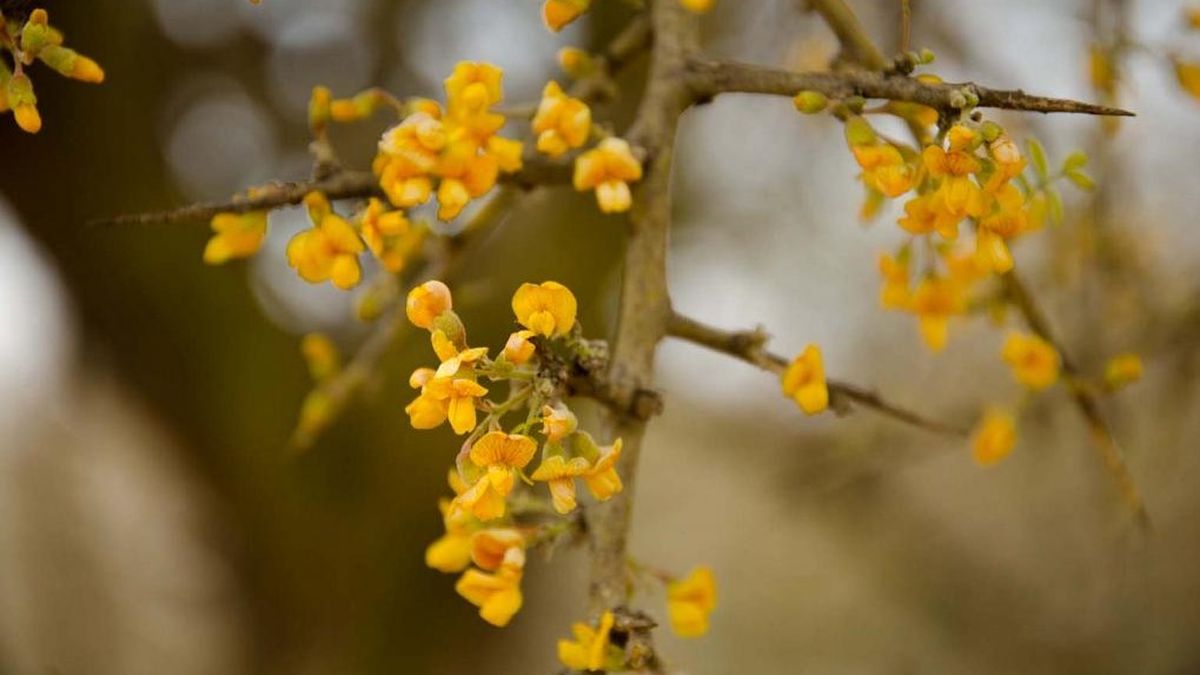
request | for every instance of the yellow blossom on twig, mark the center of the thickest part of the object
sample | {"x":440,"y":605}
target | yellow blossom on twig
{"x":994,"y":437}
{"x":1034,"y":362}
{"x":690,"y":601}
{"x":804,"y":381}
{"x":547,"y":309}
{"x":608,"y":169}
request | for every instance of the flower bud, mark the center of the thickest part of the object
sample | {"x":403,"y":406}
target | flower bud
{"x":427,"y":302}
{"x":810,"y":102}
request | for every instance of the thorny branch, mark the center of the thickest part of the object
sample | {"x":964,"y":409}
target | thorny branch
{"x":749,"y":346}
{"x":710,"y":78}
{"x":343,"y":184}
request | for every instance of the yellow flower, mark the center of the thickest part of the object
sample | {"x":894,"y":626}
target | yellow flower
{"x":1008,"y":159}
{"x":1188,"y":74}
{"x":690,"y":601}
{"x":1034,"y":362}
{"x":448,"y":352}
{"x":1121,"y":370}
{"x":238,"y":235}
{"x":452,"y":551}
{"x":561,"y":122}
{"x":547,"y":309}
{"x":427,"y":302}
{"x":956,"y":196}
{"x":556,"y":14}
{"x":608,"y":169}
{"x":894,"y":294}
{"x":321,"y":355}
{"x":558,"y":422}
{"x":489,"y":547}
{"x":922,"y":215}
{"x":474,"y":86}
{"x":329,"y":251}
{"x":697,"y":6}
{"x":502,"y":454}
{"x":1100,"y":69}
{"x":601,"y":478}
{"x":559,"y":473}
{"x":591,"y":649}
{"x":994,"y":437}
{"x":960,"y":137}
{"x":444,"y":396}
{"x":23,"y":102}
{"x":804,"y":381}
{"x":72,"y":64}
{"x":506,"y":152}
{"x":884,"y":168}
{"x":497,"y":595}
{"x":575,"y":62}
{"x":389,"y":235}
{"x":934,"y":302}
{"x":459,"y":394}
{"x":408,"y":152}
{"x":519,"y":349}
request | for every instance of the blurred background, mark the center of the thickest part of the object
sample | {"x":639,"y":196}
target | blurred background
{"x":153,"y":521}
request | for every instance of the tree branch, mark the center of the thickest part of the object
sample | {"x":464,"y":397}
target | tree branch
{"x":1104,"y":441}
{"x":341,"y":185}
{"x":644,"y":303}
{"x":710,"y":78}
{"x":749,"y":346}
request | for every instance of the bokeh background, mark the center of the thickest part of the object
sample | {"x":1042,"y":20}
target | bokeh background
{"x":152,"y":520}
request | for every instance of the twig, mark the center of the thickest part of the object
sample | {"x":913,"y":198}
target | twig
{"x":1103,"y":440}
{"x":342,"y":185}
{"x":844,"y":24}
{"x":749,"y":346}
{"x":710,"y":78}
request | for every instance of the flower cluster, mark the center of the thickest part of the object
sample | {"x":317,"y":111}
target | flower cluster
{"x":967,"y":195}
{"x":36,"y":39}
{"x":458,"y":147}
{"x":330,"y":249}
{"x":481,"y":518}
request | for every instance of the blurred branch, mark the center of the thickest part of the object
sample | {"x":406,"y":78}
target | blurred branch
{"x":845,"y":25}
{"x":749,"y":346}
{"x":624,"y":47}
{"x":1103,"y":440}
{"x":710,"y":78}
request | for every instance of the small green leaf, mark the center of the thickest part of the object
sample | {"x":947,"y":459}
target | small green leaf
{"x":1081,"y":180}
{"x":1075,"y":160}
{"x":1055,"y":205}
{"x":1037,"y":155}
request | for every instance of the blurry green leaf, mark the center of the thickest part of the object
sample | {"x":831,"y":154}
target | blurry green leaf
{"x":1037,"y":155}
{"x":1081,"y":180}
{"x":1075,"y":160}
{"x":1054,"y":202}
